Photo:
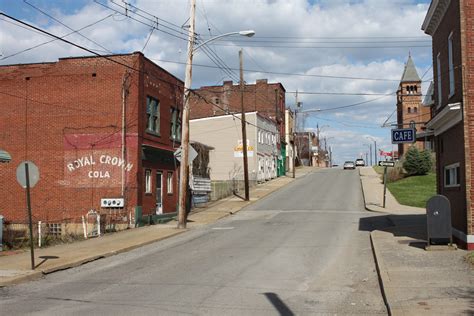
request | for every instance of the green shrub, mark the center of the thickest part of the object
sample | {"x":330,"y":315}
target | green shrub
{"x":416,"y":162}
{"x":426,"y":162}
{"x":412,"y":161}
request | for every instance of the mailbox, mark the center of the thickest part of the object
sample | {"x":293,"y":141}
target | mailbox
{"x":438,"y":220}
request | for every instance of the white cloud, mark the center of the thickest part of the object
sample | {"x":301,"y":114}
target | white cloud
{"x":325,"y":21}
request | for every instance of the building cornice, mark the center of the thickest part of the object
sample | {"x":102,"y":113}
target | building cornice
{"x":435,"y":15}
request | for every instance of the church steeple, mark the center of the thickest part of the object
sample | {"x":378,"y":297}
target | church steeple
{"x":410,"y":74}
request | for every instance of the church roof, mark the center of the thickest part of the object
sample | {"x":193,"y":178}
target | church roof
{"x":410,"y":74}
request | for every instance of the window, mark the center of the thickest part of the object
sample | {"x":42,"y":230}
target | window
{"x":147,"y":181}
{"x":169,"y":183}
{"x":451,"y":64}
{"x":153,"y":115}
{"x":415,"y":110}
{"x":409,"y":109}
{"x":175,"y":129}
{"x":452,"y":175}
{"x":438,"y":75}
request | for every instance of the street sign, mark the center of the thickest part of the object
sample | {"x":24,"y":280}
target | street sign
{"x":387,"y":163}
{"x":403,"y":135}
{"x":192,"y":154}
{"x":32,"y":172}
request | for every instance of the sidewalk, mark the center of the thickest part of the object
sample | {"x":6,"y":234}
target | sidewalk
{"x":16,"y":268}
{"x":415,"y":281}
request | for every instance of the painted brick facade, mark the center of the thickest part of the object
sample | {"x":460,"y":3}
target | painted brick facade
{"x":268,"y":99}
{"x":66,"y":117}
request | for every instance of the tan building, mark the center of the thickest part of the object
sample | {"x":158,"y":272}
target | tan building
{"x":224,"y":134}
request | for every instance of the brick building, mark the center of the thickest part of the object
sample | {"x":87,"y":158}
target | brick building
{"x":96,"y":127}
{"x":268,"y":99}
{"x":410,"y":112}
{"x":451,"y":26}
{"x":308,"y":151}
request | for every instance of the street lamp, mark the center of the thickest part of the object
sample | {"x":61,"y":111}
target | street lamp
{"x":185,"y":127}
{"x":370,"y":155}
{"x":375,"y":148}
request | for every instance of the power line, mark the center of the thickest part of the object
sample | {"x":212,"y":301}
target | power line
{"x":109,"y":58}
{"x":354,"y":104}
{"x":284,"y":73}
{"x":141,"y":22}
{"x":343,"y":37}
{"x":44,"y":43}
{"x":331,"y":41}
{"x":323,"y":47}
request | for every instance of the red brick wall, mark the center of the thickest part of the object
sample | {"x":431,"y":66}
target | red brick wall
{"x":55,"y":115}
{"x":169,"y":92}
{"x":467,"y":29}
{"x":404,"y":117}
{"x":455,"y":145}
{"x":266,"y":98}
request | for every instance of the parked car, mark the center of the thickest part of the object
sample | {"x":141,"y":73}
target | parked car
{"x":349,"y":165}
{"x":360,"y":162}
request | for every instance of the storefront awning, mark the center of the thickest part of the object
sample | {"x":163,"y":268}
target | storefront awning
{"x":158,"y":155}
{"x":5,"y":156}
{"x":447,"y":118}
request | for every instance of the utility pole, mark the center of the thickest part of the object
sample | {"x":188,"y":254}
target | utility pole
{"x":294,"y":134}
{"x":375,"y":152}
{"x":309,"y":149}
{"x":330,"y":157}
{"x":244,"y":129}
{"x":370,"y":150}
{"x":185,"y":134}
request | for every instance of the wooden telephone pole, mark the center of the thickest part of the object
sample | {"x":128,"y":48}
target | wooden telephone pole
{"x":244,"y":129}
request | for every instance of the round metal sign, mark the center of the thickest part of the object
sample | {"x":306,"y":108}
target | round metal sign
{"x":33,"y":173}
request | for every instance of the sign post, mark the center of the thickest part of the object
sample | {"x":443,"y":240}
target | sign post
{"x":385,"y":164}
{"x":27,"y":175}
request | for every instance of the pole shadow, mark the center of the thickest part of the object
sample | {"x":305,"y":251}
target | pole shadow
{"x":279,"y":305}
{"x":45,"y":258}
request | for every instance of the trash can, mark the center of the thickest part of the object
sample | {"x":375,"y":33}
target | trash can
{"x":1,"y":233}
{"x":438,"y":220}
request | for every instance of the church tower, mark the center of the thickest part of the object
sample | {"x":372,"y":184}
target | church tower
{"x":410,"y":112}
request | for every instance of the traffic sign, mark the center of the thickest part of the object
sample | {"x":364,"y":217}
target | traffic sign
{"x":33,"y":173}
{"x":192,"y":154}
{"x":403,"y":135}
{"x":387,"y":163}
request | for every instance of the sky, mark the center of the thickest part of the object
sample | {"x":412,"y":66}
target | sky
{"x":345,"y":58}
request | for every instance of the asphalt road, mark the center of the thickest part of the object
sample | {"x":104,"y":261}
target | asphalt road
{"x":302,"y":250}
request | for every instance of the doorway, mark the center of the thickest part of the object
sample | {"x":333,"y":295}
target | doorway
{"x":159,"y":193}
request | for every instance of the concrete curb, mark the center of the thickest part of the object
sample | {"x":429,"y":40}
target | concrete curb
{"x":381,"y":271}
{"x":37,"y":274}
